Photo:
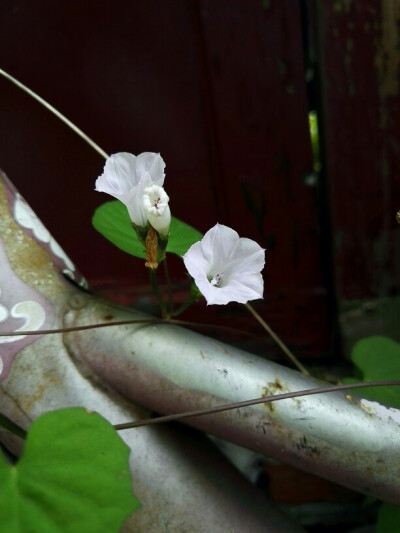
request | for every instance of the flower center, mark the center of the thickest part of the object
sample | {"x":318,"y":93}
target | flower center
{"x":155,"y":200}
{"x":216,"y":280}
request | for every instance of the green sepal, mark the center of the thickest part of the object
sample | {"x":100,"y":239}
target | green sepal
{"x":141,"y":232}
{"x":112,"y":221}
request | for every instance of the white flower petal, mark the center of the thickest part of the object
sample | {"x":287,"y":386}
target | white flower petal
{"x":219,"y":242}
{"x":196,"y":262}
{"x":247,"y":264}
{"x":242,"y":291}
{"x":153,"y":164}
{"x":123,"y":168}
{"x":125,"y":177}
{"x":225,"y":267}
{"x":119,"y":175}
{"x":161,"y":222}
{"x":132,"y":200}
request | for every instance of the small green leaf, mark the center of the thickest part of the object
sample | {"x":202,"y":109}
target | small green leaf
{"x":378,"y":358}
{"x":73,"y":476}
{"x":182,"y":236}
{"x":112,"y":221}
{"x":388,"y":518}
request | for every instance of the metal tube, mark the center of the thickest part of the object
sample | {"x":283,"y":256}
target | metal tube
{"x":338,"y":435}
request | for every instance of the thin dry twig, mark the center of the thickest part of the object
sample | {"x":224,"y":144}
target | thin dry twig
{"x":248,"y":403}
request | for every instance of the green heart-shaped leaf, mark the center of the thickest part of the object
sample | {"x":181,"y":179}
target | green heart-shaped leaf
{"x":378,"y":358}
{"x":112,"y":221}
{"x":73,"y":476}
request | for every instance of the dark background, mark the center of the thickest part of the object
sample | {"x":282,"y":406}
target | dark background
{"x":222,"y":89}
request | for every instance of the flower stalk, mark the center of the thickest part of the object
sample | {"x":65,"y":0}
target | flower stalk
{"x":278,"y":341}
{"x":151,"y":249}
{"x":157,"y":293}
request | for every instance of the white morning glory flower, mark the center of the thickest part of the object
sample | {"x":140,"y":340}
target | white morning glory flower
{"x":225,"y":267}
{"x":126,"y":176}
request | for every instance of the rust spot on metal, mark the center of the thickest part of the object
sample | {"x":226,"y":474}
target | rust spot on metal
{"x":366,"y":408}
{"x":269,"y":405}
{"x":272,"y":388}
{"x":350,"y":398}
{"x":49,"y":381}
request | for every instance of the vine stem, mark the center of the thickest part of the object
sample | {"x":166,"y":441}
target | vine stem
{"x":124,"y":323}
{"x":157,"y":292}
{"x":55,"y":112}
{"x":278,"y":341}
{"x":248,"y":403}
{"x":184,"y":306}
{"x":169,"y":288}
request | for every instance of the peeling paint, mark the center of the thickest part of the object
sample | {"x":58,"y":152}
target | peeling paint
{"x":382,"y":412}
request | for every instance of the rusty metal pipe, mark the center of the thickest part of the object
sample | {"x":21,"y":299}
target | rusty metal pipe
{"x":338,"y":436}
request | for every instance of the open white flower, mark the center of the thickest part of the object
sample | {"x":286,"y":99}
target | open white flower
{"x":225,"y":267}
{"x":126,"y":176}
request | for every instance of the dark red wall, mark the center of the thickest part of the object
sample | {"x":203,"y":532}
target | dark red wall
{"x":218,"y":88}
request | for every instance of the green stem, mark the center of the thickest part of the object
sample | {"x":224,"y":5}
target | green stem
{"x":184,"y":306}
{"x":156,"y":289}
{"x":12,"y":427}
{"x":169,"y":288}
{"x":278,"y":341}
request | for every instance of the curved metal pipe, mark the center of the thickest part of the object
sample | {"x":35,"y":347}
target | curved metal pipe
{"x":337,"y":435}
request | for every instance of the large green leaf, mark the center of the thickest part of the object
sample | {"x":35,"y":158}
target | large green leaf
{"x":73,"y":476}
{"x":388,"y":519}
{"x":112,"y":221}
{"x":378,"y":358}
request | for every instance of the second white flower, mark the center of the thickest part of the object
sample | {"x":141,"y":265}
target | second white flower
{"x":225,"y":267}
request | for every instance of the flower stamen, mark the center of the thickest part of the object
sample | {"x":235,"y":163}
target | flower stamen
{"x":216,"y":280}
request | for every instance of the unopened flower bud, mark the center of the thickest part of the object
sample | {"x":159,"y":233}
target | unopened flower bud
{"x":155,"y":203}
